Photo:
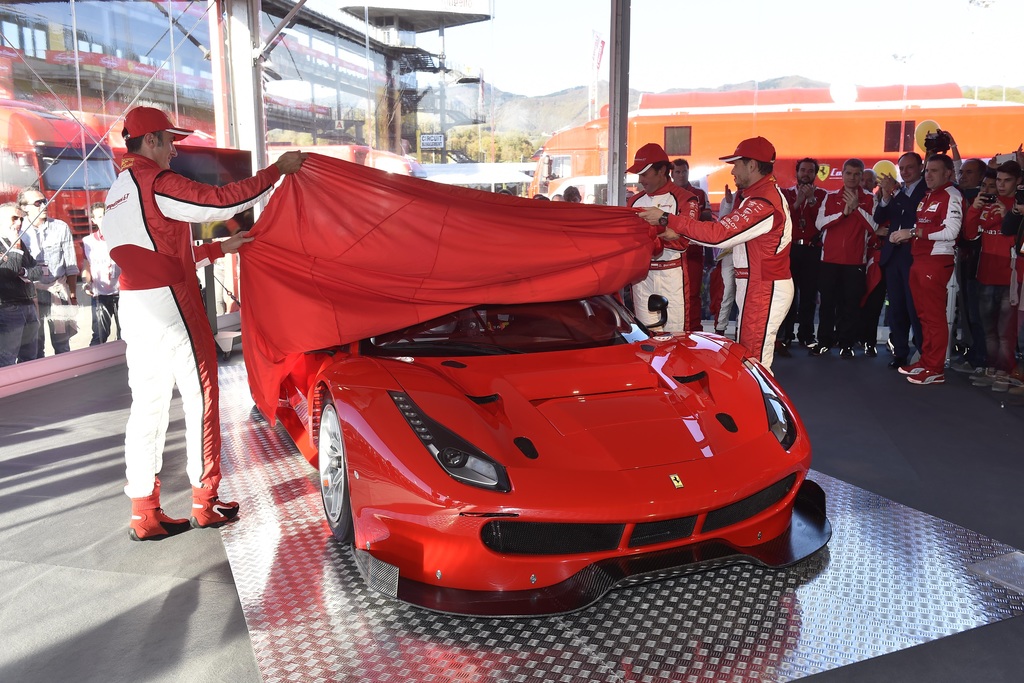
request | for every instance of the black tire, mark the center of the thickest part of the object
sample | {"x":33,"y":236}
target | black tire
{"x":334,"y":475}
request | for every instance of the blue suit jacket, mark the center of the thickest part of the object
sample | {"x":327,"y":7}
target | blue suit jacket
{"x":901,"y":213}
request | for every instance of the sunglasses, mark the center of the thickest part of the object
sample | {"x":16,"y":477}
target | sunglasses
{"x":38,"y":202}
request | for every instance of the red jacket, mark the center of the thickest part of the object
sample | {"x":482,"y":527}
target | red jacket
{"x":939,"y":218}
{"x":148,"y":214}
{"x":844,"y":239}
{"x":679,"y":202}
{"x":760,"y":229}
{"x":994,"y":260}
{"x":805,"y":215}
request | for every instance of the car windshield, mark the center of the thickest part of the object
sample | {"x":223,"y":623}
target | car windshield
{"x":494,"y":329}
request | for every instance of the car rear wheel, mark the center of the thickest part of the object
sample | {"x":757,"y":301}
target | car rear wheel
{"x":334,"y":475}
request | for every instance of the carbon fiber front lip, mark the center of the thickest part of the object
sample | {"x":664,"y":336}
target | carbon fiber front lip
{"x":808,"y":532}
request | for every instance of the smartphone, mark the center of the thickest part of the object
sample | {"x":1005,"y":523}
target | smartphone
{"x":988,"y":198}
{"x":1003,"y":158}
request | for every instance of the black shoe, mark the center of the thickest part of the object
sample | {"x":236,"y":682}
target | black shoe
{"x":870,"y":350}
{"x":846,"y":352}
{"x":781,"y":349}
{"x":809,"y":343}
{"x":819,"y":350}
{"x":897,"y":362}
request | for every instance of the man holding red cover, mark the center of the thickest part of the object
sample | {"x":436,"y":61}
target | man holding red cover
{"x":169,"y":341}
{"x":760,"y":231}
{"x":668,"y":273}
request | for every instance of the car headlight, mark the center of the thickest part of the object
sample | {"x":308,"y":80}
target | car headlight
{"x":780,"y":421}
{"x":462,"y":460}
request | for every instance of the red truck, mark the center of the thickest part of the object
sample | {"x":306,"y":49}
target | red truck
{"x":56,"y":155}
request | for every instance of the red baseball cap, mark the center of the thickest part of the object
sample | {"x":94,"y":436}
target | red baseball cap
{"x":647,"y":156}
{"x":142,"y":120}
{"x":758,"y":149}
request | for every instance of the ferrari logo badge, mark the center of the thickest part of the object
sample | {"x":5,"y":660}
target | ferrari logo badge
{"x":676,"y":481}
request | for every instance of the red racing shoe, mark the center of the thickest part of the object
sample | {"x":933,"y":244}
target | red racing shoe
{"x":912,"y":370}
{"x":209,"y":512}
{"x":149,"y":523}
{"x":926,"y":377}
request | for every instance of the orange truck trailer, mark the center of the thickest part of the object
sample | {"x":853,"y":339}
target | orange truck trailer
{"x":871,"y":124}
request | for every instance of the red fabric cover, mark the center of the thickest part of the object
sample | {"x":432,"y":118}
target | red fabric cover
{"x":344,"y":252}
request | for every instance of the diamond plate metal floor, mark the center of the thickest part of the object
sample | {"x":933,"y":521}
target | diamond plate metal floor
{"x":892,"y":577}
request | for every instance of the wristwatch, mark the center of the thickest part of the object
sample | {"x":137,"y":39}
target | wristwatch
{"x":663,"y":221}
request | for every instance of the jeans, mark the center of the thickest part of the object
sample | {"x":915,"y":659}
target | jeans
{"x":60,"y":332}
{"x":19,"y":324}
{"x":104,"y":314}
{"x":999,"y":320}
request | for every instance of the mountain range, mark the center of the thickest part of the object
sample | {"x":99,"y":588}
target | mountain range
{"x":545,"y":114}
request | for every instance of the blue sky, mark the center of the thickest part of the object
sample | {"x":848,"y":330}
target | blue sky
{"x":535,"y":47}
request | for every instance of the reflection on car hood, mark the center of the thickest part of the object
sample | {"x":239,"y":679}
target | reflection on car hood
{"x":608,"y":404}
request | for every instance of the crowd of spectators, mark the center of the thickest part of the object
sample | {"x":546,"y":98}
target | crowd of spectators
{"x":928,"y":253}
{"x":931,"y":255}
{"x":41,"y":276}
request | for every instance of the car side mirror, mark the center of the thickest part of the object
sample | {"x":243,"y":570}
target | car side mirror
{"x":656,"y":303}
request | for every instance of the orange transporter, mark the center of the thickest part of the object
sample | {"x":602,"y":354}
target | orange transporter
{"x":878,"y":123}
{"x":57,"y":155}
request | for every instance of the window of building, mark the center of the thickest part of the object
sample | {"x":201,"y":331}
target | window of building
{"x":12,"y":36}
{"x":899,"y":136}
{"x":677,"y":140}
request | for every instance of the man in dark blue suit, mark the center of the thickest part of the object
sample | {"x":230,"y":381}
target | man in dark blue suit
{"x":897,"y":206}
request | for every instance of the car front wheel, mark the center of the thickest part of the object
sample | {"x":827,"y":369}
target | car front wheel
{"x":334,"y":475}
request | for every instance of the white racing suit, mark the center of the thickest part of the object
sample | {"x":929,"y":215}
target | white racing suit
{"x":667,"y":274}
{"x":163,"y":319}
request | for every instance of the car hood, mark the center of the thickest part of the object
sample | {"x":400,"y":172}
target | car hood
{"x":621,"y":407}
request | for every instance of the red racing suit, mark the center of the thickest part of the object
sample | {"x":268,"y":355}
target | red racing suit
{"x":164,"y":323}
{"x":760,"y":230}
{"x":939,"y":218}
{"x":668,"y":272}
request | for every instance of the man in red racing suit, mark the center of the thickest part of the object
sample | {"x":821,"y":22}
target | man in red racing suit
{"x":760,"y":231}
{"x":668,"y":273}
{"x":933,"y":241}
{"x":168,"y":336}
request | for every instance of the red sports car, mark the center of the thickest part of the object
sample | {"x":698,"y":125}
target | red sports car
{"x":512,"y":460}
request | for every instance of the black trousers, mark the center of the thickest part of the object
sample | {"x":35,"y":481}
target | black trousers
{"x":804,"y":263}
{"x":867,"y":325}
{"x":841,"y":287}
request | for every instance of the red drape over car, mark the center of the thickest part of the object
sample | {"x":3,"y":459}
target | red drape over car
{"x":344,"y":252}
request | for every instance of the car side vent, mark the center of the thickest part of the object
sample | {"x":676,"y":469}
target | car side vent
{"x":649,"y":533}
{"x":453,"y":364}
{"x":549,"y":538}
{"x":749,"y":506}
{"x":727,"y":422}
{"x":648,"y":347}
{"x":481,"y":400}
{"x":687,"y":379}
{"x":526,"y":446}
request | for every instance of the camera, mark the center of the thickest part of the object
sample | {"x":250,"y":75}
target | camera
{"x":938,"y":142}
{"x":988,"y":198}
